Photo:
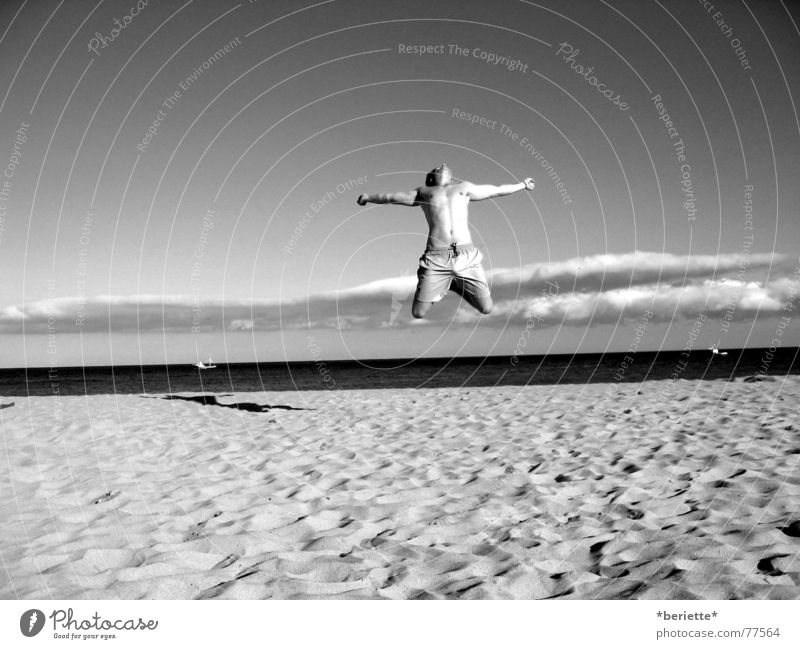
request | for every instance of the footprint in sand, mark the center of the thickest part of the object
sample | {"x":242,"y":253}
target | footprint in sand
{"x":792,"y":529}
{"x":227,"y":561}
{"x":214,"y":591}
{"x":765,"y":566}
{"x":220,"y":588}
{"x":196,"y":531}
{"x":108,"y":495}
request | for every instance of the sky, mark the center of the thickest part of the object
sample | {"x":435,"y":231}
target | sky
{"x":180,"y":178}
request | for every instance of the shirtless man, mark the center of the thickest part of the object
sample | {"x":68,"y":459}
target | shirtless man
{"x":450,"y":260}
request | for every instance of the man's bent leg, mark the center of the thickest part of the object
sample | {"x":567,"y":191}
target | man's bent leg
{"x":419,"y":309}
{"x":434,"y":279}
{"x":481,"y":303}
{"x":470,"y":282}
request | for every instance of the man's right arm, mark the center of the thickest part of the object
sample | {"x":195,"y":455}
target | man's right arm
{"x":395,"y":198}
{"x":482,"y":192}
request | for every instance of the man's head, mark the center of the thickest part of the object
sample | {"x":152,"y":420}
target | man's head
{"x":439,"y":177}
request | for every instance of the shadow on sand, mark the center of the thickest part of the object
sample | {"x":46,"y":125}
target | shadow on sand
{"x":211,"y":400}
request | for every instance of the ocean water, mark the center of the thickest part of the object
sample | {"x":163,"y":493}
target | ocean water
{"x":399,"y":373}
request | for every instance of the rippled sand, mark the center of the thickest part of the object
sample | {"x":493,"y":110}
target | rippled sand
{"x":656,"y":490}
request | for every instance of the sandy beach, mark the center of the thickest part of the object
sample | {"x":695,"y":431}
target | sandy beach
{"x":657,"y":490}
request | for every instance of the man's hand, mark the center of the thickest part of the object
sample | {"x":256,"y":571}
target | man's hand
{"x":529,"y":184}
{"x":362,"y":200}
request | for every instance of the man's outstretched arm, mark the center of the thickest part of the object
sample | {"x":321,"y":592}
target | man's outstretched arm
{"x":482,"y":192}
{"x":396,"y":198}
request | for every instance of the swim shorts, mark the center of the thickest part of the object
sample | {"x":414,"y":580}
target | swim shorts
{"x":456,"y":267}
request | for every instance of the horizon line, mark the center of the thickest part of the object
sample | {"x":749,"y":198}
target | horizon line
{"x":730,"y":350}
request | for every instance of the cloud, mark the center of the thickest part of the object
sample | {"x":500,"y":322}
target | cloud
{"x":240,"y":324}
{"x":589,"y":290}
{"x":607,"y":272}
{"x":736,"y":299}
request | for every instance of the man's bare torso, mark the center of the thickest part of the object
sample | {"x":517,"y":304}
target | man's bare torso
{"x":447,"y":215}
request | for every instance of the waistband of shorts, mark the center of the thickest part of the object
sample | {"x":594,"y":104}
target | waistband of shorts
{"x":462,"y":248}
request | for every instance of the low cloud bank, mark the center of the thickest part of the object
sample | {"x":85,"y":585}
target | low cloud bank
{"x":590,"y":290}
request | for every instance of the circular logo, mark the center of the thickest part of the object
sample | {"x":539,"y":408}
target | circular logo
{"x":31,"y":622}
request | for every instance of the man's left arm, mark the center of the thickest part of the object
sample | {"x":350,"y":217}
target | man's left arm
{"x":482,"y":192}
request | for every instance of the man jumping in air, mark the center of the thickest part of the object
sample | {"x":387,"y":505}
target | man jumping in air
{"x":450,"y":260}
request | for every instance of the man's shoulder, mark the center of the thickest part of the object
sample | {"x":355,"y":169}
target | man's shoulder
{"x":461,"y":186}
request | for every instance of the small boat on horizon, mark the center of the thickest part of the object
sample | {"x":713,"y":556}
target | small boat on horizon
{"x":209,"y":365}
{"x":715,"y":350}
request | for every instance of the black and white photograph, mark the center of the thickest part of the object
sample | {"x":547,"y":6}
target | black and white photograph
{"x":424,"y":300}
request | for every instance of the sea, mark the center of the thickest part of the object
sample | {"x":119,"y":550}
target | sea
{"x":411,"y":374}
